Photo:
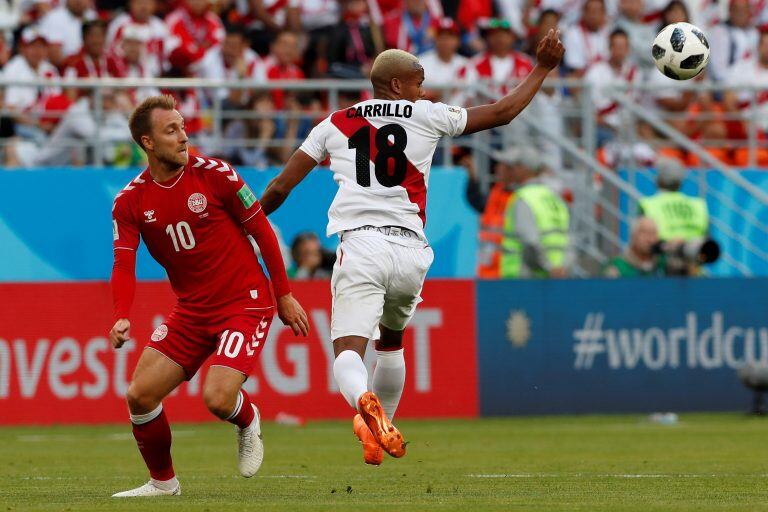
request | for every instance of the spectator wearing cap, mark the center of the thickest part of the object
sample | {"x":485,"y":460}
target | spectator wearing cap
{"x":193,"y":29}
{"x":492,"y":206}
{"x":442,"y":65}
{"x":410,"y":29}
{"x":351,"y":46}
{"x":679,"y":217}
{"x":142,"y":22}
{"x":536,"y":223}
{"x":618,"y":70}
{"x":130,"y":59}
{"x":26,"y":102}
{"x":732,"y":41}
{"x":587,"y":42}
{"x":501,"y":64}
{"x":63,"y":29}
{"x":230,"y":61}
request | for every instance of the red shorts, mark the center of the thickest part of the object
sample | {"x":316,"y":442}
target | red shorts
{"x":235,"y":340}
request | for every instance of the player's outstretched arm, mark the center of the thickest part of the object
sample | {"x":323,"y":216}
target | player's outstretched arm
{"x":297,"y":168}
{"x":548,"y":55}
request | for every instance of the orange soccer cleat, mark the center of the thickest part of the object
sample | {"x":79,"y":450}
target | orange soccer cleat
{"x":384,"y":432}
{"x":372,"y":452}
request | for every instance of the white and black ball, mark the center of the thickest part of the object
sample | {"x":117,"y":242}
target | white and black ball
{"x":680,"y":51}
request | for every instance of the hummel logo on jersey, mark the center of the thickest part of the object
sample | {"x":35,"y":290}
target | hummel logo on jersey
{"x":150,"y":215}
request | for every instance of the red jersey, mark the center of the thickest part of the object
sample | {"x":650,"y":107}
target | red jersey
{"x":193,"y":226}
{"x":191,"y":36}
{"x":82,"y":65}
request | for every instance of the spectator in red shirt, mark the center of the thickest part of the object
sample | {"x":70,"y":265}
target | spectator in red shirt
{"x":410,"y":28}
{"x":92,"y":60}
{"x":193,"y":28}
{"x":281,"y":64}
{"x":501,"y":64}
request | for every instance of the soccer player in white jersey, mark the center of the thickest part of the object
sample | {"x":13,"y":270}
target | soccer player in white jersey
{"x":380,"y":152}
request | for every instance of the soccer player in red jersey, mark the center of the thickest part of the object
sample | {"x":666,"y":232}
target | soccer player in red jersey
{"x":194,"y":215}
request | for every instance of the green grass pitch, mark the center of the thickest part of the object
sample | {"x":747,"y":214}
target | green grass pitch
{"x":589,"y":463}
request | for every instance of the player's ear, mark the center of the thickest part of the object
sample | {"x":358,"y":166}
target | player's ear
{"x":146,"y":141}
{"x":396,"y":85}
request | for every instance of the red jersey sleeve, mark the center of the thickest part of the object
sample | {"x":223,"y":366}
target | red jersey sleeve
{"x":241,"y":203}
{"x":125,"y":234}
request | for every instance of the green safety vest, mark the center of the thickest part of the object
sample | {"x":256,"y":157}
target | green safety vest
{"x":677,"y":215}
{"x":552,"y":220}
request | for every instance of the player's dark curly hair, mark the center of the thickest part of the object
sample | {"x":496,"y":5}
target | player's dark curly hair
{"x":140,"y":120}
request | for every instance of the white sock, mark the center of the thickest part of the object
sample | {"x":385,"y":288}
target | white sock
{"x":351,"y":376}
{"x":141,"y":419}
{"x":166,"y":485}
{"x":389,"y":379}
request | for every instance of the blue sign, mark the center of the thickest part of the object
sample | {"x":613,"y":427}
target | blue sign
{"x":55,"y":224}
{"x":618,"y":345}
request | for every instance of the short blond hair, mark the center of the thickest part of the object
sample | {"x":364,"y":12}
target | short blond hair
{"x":140,"y":122}
{"x":391,"y":61}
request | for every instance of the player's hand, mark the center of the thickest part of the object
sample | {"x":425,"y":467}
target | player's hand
{"x":550,"y":50}
{"x":120,"y":332}
{"x":292,"y":314}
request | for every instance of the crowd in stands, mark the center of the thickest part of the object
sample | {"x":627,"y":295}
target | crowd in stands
{"x":258,"y":41}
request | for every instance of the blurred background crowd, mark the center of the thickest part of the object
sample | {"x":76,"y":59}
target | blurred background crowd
{"x":472,"y":51}
{"x":258,"y":41}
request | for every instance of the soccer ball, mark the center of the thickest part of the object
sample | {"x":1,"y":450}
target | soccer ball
{"x":680,"y":51}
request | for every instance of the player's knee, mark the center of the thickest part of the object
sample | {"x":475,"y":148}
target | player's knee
{"x":140,"y":402}
{"x":219,"y":401}
{"x":390,"y":339}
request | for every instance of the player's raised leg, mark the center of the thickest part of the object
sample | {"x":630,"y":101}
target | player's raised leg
{"x":225,"y":398}
{"x":154,"y":378}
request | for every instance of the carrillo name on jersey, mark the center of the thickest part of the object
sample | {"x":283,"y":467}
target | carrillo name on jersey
{"x":381,"y":109}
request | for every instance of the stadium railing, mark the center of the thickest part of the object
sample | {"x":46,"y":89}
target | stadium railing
{"x":562,"y":122}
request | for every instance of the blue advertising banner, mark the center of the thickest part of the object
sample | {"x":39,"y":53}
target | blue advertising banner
{"x":55,"y":224}
{"x":741,"y":240}
{"x":629,"y":345}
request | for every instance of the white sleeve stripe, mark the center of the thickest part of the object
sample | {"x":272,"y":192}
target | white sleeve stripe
{"x":126,"y":248}
{"x":252,"y":216}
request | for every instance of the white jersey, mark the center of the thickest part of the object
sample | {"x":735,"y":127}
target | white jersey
{"x":381,"y":152}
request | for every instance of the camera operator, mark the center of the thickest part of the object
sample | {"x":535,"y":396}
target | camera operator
{"x":682,"y":222}
{"x":639,"y":259}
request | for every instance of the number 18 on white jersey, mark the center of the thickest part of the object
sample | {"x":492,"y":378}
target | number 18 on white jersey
{"x":381,"y":152}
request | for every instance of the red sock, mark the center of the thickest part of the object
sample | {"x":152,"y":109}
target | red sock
{"x":154,"y":440}
{"x":243,"y":414}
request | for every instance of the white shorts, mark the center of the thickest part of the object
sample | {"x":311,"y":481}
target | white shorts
{"x":377,"y":279}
